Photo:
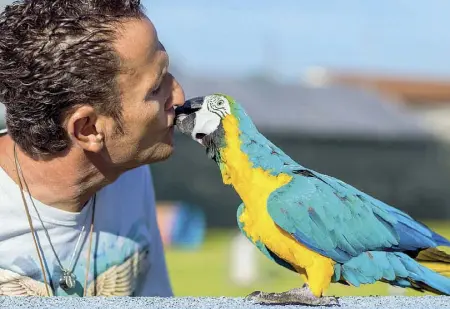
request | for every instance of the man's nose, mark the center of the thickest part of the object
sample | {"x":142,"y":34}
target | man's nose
{"x":177,"y":93}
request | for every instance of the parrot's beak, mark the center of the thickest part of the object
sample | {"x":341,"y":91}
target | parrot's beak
{"x":189,"y":107}
{"x":185,"y":114}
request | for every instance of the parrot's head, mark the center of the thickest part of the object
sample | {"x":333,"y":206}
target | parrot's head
{"x":201,"y":119}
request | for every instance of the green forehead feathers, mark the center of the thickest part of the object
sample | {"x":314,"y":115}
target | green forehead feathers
{"x":229,"y":99}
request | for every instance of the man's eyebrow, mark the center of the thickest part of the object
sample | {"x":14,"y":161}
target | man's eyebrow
{"x":163,"y":71}
{"x":165,"y":65}
{"x":160,"y":77}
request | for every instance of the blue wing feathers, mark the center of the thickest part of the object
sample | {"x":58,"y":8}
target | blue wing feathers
{"x":411,"y":239}
{"x":339,"y":221}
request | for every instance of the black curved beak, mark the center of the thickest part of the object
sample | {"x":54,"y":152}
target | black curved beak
{"x":190,"y":106}
{"x":185,"y":114}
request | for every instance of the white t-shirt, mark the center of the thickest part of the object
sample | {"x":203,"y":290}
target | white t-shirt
{"x":127,"y":255}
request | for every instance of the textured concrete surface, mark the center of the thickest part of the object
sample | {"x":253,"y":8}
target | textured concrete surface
{"x":431,"y":302}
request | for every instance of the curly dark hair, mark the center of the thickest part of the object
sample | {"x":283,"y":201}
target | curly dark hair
{"x":55,"y":55}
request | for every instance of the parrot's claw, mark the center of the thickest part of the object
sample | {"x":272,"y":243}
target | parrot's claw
{"x":299,"y":296}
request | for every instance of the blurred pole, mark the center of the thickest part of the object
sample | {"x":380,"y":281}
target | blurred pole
{"x":243,"y":261}
{"x":395,"y":290}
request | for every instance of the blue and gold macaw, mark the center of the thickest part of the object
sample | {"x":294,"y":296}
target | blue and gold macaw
{"x":313,"y":224}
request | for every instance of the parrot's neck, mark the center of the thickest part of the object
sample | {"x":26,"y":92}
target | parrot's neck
{"x":248,"y":158}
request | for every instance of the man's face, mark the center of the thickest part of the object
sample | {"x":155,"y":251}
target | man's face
{"x":149,"y":94}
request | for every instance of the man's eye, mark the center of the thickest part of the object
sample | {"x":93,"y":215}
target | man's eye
{"x":155,"y":91}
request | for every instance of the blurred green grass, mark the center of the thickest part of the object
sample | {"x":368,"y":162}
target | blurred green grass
{"x":205,"y":271}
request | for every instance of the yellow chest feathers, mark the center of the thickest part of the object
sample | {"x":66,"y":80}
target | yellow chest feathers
{"x":254,"y":185}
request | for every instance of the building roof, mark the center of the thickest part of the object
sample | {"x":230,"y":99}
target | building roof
{"x":407,"y":89}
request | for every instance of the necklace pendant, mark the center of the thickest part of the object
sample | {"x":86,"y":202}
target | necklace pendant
{"x":67,"y":280}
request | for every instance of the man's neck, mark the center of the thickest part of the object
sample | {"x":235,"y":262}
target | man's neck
{"x":66,"y":183}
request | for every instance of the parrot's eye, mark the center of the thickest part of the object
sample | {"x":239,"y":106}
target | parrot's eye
{"x":220,"y":103}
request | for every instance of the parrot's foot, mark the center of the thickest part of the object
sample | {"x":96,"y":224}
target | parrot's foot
{"x":299,"y":296}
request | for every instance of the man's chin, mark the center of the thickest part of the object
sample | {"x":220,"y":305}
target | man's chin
{"x":163,"y":153}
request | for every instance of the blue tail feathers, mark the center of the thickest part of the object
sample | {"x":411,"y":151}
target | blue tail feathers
{"x":395,"y":268}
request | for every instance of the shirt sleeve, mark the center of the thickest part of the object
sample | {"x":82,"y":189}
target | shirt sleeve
{"x":156,"y":281}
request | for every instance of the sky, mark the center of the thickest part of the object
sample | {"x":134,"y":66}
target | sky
{"x":235,"y":37}
{"x":286,"y":37}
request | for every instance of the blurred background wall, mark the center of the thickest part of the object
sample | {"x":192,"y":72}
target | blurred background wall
{"x":359,"y":90}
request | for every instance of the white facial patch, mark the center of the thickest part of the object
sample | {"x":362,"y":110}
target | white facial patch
{"x":206,"y":122}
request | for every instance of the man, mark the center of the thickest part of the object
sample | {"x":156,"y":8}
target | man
{"x":89,"y":104}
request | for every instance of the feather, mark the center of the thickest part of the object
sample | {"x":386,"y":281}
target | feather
{"x":14,"y":284}
{"x":119,"y":280}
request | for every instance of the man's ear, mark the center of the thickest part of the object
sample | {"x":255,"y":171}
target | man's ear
{"x":84,"y":129}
